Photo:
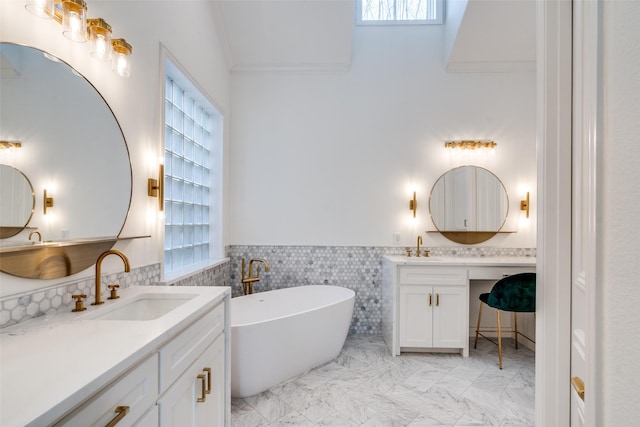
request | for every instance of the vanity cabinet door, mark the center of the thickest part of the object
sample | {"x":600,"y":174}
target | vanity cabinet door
{"x":416,"y":312}
{"x":450,"y":316}
{"x":197,"y":396}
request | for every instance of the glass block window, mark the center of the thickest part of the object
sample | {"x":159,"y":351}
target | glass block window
{"x":399,"y":11}
{"x":189,"y":175}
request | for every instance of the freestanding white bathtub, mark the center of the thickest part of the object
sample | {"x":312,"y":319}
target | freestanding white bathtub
{"x":278,"y":334}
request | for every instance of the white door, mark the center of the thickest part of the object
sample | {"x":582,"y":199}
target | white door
{"x":584,"y":273}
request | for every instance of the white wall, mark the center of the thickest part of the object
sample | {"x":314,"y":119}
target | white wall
{"x":620,"y":290}
{"x":331,"y":158}
{"x":187,"y":31}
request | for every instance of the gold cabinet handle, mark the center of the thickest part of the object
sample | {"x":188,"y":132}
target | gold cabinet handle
{"x":208,"y":371}
{"x":430,"y":296}
{"x":204,"y":391}
{"x":121,"y":412}
{"x":578,"y":385}
{"x":437,"y":300}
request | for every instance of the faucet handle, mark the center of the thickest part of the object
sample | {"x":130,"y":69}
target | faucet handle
{"x":79,"y":304}
{"x":427,"y":252}
{"x":114,"y":291}
{"x":408,"y":252}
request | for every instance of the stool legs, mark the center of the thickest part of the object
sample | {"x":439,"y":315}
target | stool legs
{"x":515,"y":328}
{"x":499,"y":340}
{"x":475,"y":344}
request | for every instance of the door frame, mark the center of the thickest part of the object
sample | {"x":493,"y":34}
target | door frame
{"x":553,"y":128}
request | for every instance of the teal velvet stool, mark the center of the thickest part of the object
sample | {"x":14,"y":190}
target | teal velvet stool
{"x":515,"y":293}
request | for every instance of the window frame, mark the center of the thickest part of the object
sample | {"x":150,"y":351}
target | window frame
{"x":438,"y":20}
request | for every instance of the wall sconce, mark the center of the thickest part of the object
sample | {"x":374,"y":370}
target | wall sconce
{"x":156,"y":189}
{"x":524,"y":205}
{"x":120,"y":62}
{"x":99,"y":33}
{"x":470,"y":144}
{"x":48,"y":202}
{"x":413,"y":204}
{"x":8,"y":145}
{"x":72,"y":14}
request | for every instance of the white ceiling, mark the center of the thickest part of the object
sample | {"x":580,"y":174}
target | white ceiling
{"x":284,"y":35}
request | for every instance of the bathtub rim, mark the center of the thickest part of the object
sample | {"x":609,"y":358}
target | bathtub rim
{"x":350,"y":296}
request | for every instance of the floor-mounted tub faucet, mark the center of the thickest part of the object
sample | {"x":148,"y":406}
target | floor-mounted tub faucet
{"x":247,"y":281}
{"x":102,"y":256}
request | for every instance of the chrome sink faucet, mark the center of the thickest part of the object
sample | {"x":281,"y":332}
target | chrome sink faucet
{"x":102,"y":256}
{"x":247,"y":281}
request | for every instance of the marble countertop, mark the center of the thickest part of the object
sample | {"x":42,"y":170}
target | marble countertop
{"x":50,"y":364}
{"x":464,"y":261}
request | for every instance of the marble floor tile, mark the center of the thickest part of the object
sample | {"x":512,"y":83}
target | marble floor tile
{"x":366,"y":386}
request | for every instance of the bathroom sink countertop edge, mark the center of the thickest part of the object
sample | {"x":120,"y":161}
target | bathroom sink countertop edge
{"x":51,"y":364}
{"x":468,"y":261}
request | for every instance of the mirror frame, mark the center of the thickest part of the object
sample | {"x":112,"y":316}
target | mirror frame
{"x":469,"y":237}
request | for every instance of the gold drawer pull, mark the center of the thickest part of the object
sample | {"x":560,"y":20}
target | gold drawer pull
{"x":437,"y":300}
{"x":208,"y":371}
{"x":121,"y":412}
{"x":204,"y":391}
{"x":430,"y":296}
{"x":578,"y":385}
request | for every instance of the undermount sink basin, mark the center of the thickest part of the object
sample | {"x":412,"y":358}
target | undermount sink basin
{"x":148,"y":306}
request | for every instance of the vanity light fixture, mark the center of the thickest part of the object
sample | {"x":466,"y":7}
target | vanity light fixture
{"x":72,"y":14}
{"x":470,"y":144}
{"x":8,"y":145}
{"x":524,"y":205}
{"x":40,"y":8}
{"x":156,"y":189}
{"x":99,"y":33}
{"x":74,"y":20}
{"x":48,"y":202}
{"x":121,"y":53}
{"x":413,"y":204}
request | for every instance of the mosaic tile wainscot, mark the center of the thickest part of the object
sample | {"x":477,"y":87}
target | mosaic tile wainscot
{"x":354,"y":267}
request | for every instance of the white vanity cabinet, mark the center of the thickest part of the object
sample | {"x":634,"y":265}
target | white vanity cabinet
{"x":425,"y":301}
{"x":432,"y":309}
{"x":172,"y":370}
{"x":193,"y":374}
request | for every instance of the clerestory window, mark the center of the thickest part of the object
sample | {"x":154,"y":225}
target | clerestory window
{"x":380,"y":12}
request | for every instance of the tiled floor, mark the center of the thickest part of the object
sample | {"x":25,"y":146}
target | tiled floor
{"x":366,"y":386}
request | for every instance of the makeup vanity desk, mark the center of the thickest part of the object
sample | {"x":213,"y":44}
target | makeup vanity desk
{"x":425,"y":300}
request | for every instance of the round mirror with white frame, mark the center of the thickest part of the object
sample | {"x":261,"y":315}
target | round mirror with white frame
{"x":71,"y":145}
{"x":468,"y":204}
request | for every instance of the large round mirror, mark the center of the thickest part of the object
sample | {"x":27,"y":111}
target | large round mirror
{"x":468,"y":204}
{"x":71,"y":145}
{"x":18,"y":201}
